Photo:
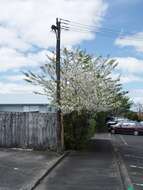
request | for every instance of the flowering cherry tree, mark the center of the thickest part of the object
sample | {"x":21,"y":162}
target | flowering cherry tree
{"x":86,"y":82}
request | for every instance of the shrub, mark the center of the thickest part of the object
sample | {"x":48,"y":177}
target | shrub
{"x":78,"y":128}
{"x":101,"y":118}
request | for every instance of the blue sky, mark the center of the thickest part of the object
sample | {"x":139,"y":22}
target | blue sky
{"x":122,"y":16}
{"x":25,"y":39}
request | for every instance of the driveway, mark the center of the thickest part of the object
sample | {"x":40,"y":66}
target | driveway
{"x":19,"y":169}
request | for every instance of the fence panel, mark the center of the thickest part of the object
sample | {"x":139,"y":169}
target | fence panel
{"x":28,"y":130}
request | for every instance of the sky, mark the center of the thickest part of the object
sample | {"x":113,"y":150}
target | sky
{"x":26,"y":38}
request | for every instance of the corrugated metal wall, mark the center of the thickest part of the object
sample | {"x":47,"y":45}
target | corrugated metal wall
{"x":27,"y":108}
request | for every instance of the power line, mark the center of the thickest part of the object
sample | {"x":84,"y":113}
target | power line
{"x":97,"y":30}
{"x":91,"y":27}
{"x":108,"y":32}
{"x":87,"y":32}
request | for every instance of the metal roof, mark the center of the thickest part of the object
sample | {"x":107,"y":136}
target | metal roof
{"x":23,"y":104}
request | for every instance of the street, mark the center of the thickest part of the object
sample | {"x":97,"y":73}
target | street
{"x":131,"y":150}
{"x":97,"y":169}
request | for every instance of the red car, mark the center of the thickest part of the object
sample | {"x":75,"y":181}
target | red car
{"x":127,"y":128}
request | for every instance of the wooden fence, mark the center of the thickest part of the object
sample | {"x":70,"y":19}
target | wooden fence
{"x":28,"y":130}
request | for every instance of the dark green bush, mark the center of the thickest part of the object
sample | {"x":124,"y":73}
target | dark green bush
{"x":92,"y":126}
{"x":100,"y":118}
{"x":78,"y":128}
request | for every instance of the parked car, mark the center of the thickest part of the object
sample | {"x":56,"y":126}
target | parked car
{"x":115,"y":121}
{"x":130,"y":127}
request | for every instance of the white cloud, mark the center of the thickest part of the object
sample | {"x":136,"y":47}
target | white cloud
{"x":130,"y":70}
{"x":130,"y":78}
{"x":12,"y":59}
{"x":32,"y":19}
{"x":13,"y":88}
{"x":138,"y":92}
{"x":14,"y":78}
{"x":127,"y":78}
{"x":25,"y":24}
{"x":129,"y":65}
{"x":136,"y":95}
{"x":135,"y":41}
{"x":9,"y":38}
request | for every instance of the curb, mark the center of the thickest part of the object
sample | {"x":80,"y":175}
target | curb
{"x":127,"y":183}
{"x":44,"y":173}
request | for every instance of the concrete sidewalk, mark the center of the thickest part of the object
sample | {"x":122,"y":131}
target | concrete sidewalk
{"x":92,"y":169}
{"x":20,"y":169}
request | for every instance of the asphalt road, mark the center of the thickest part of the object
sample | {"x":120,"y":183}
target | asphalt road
{"x":131,"y":150}
{"x":92,"y":169}
{"x":19,"y":169}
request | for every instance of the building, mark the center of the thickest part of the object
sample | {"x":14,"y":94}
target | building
{"x":42,"y":108}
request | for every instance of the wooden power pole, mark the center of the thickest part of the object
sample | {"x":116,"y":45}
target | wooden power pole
{"x":60,"y":133}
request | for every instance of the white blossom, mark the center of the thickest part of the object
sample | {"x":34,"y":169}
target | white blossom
{"x":85,"y":82}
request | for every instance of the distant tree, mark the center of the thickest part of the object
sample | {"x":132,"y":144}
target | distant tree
{"x":139,"y":110}
{"x":132,"y":115}
{"x":124,"y":105}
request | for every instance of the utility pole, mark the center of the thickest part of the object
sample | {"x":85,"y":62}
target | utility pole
{"x":60,"y":134}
